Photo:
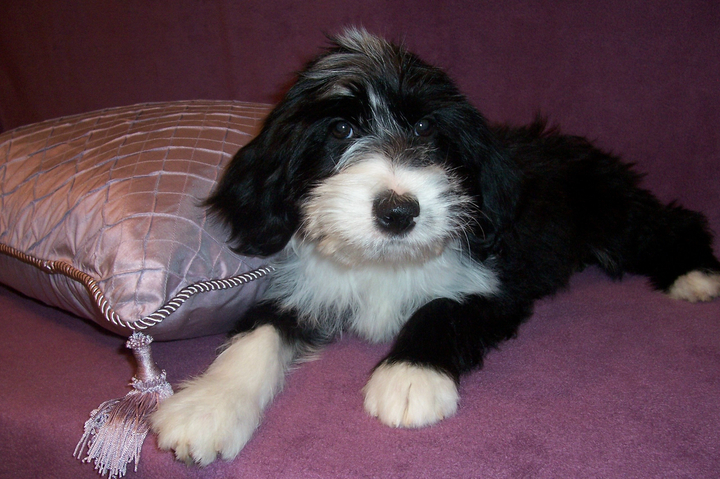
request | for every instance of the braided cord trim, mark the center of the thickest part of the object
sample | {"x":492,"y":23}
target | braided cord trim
{"x":92,"y":287}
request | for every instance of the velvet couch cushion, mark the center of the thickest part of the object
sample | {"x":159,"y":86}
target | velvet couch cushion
{"x":101,"y":216}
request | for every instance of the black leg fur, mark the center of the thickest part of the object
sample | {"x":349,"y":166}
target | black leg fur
{"x":668,"y":242}
{"x":302,"y":337}
{"x":453,"y":337}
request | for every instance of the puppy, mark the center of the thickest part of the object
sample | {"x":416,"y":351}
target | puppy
{"x":395,"y":211}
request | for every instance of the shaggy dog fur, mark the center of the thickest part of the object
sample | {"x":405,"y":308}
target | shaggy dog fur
{"x":395,"y":211}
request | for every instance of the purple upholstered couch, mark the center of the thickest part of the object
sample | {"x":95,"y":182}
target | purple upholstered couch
{"x":607,"y":380}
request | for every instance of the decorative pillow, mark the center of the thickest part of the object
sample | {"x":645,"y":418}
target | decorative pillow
{"x":101,"y":216}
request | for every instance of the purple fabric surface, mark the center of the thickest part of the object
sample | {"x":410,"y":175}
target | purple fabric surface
{"x":606,"y":380}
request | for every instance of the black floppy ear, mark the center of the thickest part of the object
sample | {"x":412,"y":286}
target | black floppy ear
{"x":493,"y":177}
{"x":499,"y":183}
{"x":259,"y":193}
{"x":252,"y":197}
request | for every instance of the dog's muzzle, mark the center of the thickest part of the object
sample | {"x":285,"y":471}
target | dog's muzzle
{"x":395,"y":214}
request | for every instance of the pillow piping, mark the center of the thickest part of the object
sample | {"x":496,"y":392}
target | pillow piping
{"x":153,"y":319}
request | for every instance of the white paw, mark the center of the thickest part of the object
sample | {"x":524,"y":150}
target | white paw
{"x":201,"y":421}
{"x":405,"y":395}
{"x":696,"y":286}
{"x":218,"y":412}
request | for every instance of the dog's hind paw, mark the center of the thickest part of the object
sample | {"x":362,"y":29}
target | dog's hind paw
{"x":696,"y":286}
{"x":405,"y":395}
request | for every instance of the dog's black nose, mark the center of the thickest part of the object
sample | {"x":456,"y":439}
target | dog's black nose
{"x":395,"y":214}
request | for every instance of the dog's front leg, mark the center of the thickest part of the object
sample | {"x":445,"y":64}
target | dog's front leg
{"x":217,"y":413}
{"x":416,"y":384}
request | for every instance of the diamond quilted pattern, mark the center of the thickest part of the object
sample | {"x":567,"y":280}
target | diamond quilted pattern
{"x":114,"y":195}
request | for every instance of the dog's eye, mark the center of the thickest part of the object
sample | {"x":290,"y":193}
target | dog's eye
{"x":424,"y":127}
{"x":342,"y":130}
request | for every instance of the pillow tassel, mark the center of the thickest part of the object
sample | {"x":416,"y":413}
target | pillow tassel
{"x":116,"y":430}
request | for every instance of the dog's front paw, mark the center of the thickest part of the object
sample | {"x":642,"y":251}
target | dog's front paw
{"x":203,"y":420}
{"x":405,"y":395}
{"x":218,"y":412}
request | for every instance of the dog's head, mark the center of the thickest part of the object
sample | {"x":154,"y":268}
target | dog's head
{"x":373,"y":155}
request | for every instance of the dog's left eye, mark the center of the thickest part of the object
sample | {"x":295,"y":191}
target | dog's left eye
{"x":424,"y":127}
{"x":342,"y":130}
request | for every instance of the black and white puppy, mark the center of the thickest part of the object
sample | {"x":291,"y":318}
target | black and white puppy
{"x":399,"y":213}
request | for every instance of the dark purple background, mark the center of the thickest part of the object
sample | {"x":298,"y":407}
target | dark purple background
{"x":641,"y":78}
{"x":607,"y":380}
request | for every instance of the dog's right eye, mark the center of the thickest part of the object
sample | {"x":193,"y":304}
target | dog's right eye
{"x":425,"y":127}
{"x":342,"y":130}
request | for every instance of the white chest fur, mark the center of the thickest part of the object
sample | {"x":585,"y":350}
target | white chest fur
{"x":372,"y":300}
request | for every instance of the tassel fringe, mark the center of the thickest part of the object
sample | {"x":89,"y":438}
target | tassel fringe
{"x":116,"y":430}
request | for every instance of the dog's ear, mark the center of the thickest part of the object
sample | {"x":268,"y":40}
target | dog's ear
{"x":253,"y":196}
{"x":499,"y":182}
{"x":492,"y":176}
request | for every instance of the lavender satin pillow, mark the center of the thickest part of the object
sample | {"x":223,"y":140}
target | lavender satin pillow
{"x":100,"y":216}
